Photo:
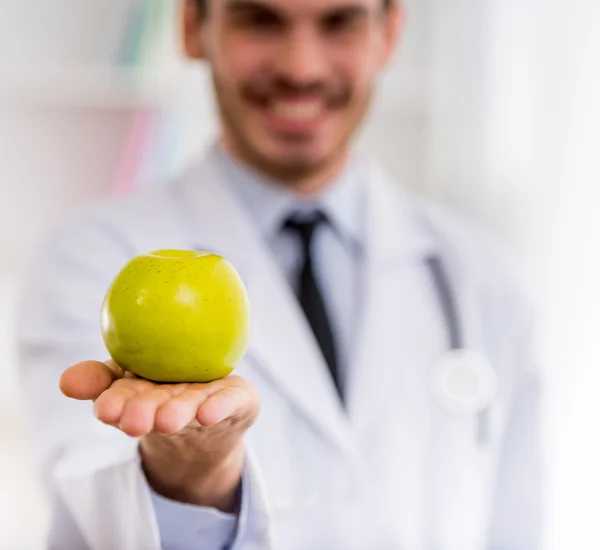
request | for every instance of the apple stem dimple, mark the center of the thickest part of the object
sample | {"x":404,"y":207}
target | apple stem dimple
{"x":178,"y":254}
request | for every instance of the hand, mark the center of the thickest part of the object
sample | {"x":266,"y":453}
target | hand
{"x":191,"y":434}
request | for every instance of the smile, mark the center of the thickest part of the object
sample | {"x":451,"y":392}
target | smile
{"x":297,"y":111}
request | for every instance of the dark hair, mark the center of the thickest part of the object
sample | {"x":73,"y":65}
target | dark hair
{"x":203,"y":6}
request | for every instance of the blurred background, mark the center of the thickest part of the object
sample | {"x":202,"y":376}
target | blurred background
{"x":491,"y":106}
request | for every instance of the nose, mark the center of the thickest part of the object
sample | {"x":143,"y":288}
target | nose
{"x":302,"y":60}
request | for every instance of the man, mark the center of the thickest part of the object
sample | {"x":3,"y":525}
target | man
{"x":357,"y":291}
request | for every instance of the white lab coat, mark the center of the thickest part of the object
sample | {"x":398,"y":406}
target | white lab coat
{"x":396,"y":471}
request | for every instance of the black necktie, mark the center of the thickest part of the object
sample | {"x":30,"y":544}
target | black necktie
{"x":309,"y":294}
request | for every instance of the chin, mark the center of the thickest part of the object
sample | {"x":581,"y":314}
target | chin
{"x":295,"y":165}
{"x":305,"y":157}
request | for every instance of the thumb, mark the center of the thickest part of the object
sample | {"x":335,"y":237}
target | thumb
{"x":87,"y":380}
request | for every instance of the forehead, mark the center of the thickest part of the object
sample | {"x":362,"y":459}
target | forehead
{"x":293,"y":8}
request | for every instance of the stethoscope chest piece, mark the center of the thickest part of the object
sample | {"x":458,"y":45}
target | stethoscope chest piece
{"x":463,"y":382}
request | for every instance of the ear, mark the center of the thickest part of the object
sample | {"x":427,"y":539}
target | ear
{"x":192,"y":22}
{"x":394,"y":23}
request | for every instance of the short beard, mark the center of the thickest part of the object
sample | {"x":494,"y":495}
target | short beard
{"x":292,"y":172}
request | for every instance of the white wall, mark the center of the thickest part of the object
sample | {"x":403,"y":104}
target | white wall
{"x":542,"y":151}
{"x":572,"y":274}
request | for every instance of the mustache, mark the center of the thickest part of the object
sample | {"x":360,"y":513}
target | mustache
{"x":334,"y":94}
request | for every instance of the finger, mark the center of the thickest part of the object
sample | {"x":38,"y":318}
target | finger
{"x":227,"y":403}
{"x":139,"y":413}
{"x":176,"y":414}
{"x":87,"y":380}
{"x":109,"y":406}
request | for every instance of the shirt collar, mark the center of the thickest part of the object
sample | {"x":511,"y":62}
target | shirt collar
{"x":270,"y":203}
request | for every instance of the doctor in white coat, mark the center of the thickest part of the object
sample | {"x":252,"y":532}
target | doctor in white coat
{"x":388,"y":399}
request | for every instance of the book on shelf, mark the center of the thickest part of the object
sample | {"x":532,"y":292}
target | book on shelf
{"x":154,"y":141}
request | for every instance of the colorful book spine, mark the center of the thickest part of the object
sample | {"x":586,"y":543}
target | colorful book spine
{"x":151,"y":151}
{"x":134,"y":152}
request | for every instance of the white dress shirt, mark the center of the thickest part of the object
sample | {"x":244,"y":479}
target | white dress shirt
{"x":338,"y":252}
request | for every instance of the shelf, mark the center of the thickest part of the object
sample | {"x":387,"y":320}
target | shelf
{"x":102,"y":87}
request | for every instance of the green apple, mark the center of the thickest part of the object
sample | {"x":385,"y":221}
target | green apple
{"x":177,"y":316}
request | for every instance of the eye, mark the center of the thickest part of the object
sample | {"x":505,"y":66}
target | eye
{"x":343,"y":22}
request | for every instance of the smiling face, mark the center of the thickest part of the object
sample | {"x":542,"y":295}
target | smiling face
{"x":293,"y":78}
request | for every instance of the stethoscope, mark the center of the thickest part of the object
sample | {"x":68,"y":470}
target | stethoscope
{"x":462,"y":382}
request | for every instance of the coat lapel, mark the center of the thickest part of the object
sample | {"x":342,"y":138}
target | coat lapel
{"x":401,"y":335}
{"x":396,"y":245}
{"x":282,"y":345}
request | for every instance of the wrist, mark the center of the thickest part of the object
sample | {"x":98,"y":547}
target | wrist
{"x":213,"y":482}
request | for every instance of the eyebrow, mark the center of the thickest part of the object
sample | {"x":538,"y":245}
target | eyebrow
{"x":234,"y":6}
{"x":350,"y":11}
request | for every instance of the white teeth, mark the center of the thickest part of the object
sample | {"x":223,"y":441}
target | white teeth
{"x":297,"y":111}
